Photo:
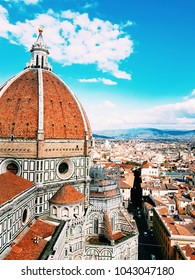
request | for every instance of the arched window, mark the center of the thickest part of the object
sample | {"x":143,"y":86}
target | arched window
{"x":37,"y":60}
{"x":105,"y":255}
{"x":12,"y":167}
{"x":42,"y":61}
{"x":113,"y":223}
{"x":76,"y":210}
{"x":92,"y":254}
{"x":78,"y":230}
{"x":25,"y":216}
{"x":95,"y":225}
{"x":65,"y":212}
{"x":54,"y":211}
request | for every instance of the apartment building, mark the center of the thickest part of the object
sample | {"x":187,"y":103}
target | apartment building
{"x":170,"y":231}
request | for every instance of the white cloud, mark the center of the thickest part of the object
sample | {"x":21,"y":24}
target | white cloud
{"x":32,"y":1}
{"x":76,"y":39}
{"x":128,"y":23}
{"x":192,"y":95}
{"x":4,"y":23}
{"x":180,"y":115}
{"x":97,"y":80}
{"x":92,"y":80}
{"x":108,"y":82}
{"x":27,"y":2}
{"x":90,"y":5}
{"x":109,"y":104}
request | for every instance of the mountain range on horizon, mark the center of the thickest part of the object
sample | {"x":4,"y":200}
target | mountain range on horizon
{"x":145,"y":133}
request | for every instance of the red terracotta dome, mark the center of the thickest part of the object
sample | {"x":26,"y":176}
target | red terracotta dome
{"x":37,"y":101}
{"x":67,"y":194}
{"x":63,"y":115}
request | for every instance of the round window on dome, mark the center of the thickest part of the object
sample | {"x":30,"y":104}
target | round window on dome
{"x":12,"y":167}
{"x":63,"y":168}
{"x":25,"y":216}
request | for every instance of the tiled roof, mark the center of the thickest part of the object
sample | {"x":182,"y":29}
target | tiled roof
{"x":108,"y":227}
{"x":67,"y":194}
{"x":189,"y":251}
{"x":124,"y":185}
{"x":19,"y":107}
{"x":126,"y":166}
{"x":146,"y":164}
{"x":12,"y":185}
{"x":174,"y":227}
{"x":110,"y":235}
{"x":118,"y":235}
{"x":64,"y":116}
{"x":26,"y":248}
{"x":182,"y":230}
{"x":105,"y":193}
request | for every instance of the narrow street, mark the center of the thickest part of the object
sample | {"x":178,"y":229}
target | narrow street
{"x":147,"y":248}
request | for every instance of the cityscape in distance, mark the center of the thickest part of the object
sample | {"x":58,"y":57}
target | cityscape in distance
{"x":146,"y":133}
{"x":160,"y":193}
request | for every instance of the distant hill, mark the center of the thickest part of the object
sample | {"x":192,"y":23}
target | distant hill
{"x":145,"y":133}
{"x":101,"y":136}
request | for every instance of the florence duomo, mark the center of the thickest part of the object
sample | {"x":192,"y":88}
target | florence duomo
{"x":97,"y":137}
{"x":54,"y":204}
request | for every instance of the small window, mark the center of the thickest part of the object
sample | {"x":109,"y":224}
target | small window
{"x":42,"y":62}
{"x":63,"y":168}
{"x":25,"y":217}
{"x":37,"y":61}
{"x":12,"y":167}
{"x":96,"y":226}
{"x":54,"y":211}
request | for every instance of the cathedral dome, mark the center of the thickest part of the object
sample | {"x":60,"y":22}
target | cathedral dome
{"x":45,"y":136}
{"x":37,"y":104}
{"x":36,"y":100}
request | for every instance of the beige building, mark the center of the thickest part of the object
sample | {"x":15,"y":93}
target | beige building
{"x":169,"y":232}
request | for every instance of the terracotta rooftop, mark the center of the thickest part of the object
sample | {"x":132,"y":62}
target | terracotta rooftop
{"x":19,"y":106}
{"x":105,"y":193}
{"x":146,"y":164}
{"x":64,"y":116}
{"x":174,"y":227}
{"x":189,"y":251}
{"x":67,"y":194}
{"x":117,"y":235}
{"x":12,"y":185}
{"x":110,"y":235}
{"x":123,"y":165}
{"x":108,"y":227}
{"x":124,"y":184}
{"x":26,"y":247}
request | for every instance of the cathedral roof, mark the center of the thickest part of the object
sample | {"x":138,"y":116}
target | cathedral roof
{"x":12,"y":185}
{"x":26,"y":248}
{"x":67,"y":194}
{"x":37,"y":102}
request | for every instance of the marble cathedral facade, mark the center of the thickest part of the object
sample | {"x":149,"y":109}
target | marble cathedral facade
{"x":45,"y":182}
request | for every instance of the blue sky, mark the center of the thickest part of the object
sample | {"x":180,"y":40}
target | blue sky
{"x":131,"y":63}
